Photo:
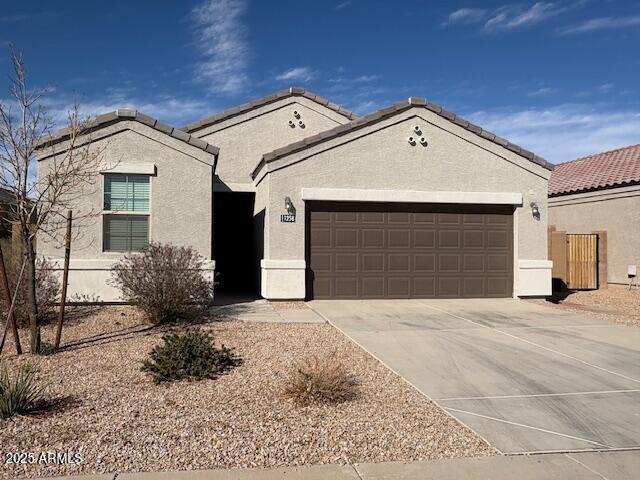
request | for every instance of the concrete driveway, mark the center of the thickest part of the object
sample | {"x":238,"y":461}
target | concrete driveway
{"x":526,"y":377}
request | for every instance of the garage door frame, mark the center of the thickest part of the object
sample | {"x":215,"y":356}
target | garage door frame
{"x":504,"y":210}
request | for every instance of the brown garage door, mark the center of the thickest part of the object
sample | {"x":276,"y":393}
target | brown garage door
{"x":367,"y":250}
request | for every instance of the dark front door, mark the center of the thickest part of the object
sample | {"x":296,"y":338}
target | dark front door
{"x":370,"y":250}
{"x":236,"y":242}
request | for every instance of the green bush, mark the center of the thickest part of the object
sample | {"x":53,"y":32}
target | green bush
{"x":20,"y":393}
{"x":190,"y":355}
{"x":165,"y":281}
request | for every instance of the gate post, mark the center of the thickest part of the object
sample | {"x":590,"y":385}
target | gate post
{"x":558,"y":254}
{"x":602,"y":258}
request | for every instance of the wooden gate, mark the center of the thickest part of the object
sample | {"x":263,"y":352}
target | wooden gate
{"x":582,"y":261}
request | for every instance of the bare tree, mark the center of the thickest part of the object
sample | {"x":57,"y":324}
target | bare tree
{"x":40,"y":201}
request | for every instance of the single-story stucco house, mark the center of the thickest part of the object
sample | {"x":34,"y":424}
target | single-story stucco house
{"x":294,"y":197}
{"x":601,"y":192}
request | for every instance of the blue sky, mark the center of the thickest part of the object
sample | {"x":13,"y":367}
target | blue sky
{"x":561,"y":78}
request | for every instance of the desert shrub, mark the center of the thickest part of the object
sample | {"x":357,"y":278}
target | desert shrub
{"x":165,"y":281}
{"x":21,"y":392}
{"x":319,"y":379}
{"x":46,"y":348}
{"x":48,"y":288}
{"x":191,"y":355}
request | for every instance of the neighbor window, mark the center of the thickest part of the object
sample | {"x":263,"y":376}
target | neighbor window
{"x":126,"y":213}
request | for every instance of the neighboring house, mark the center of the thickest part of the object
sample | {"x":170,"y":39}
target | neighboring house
{"x":601,"y":192}
{"x":300,"y":198}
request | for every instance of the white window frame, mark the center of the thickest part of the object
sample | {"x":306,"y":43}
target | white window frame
{"x":123,"y":212}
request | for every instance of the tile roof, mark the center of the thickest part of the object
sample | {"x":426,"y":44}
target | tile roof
{"x":388,"y":112}
{"x":245,"y":107}
{"x":601,"y":170}
{"x":133,"y":115}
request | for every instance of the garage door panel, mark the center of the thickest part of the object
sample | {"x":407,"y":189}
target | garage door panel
{"x":424,"y":262}
{"x":372,"y":238}
{"x":346,"y":237}
{"x":399,"y":287}
{"x":449,"y":263}
{"x":346,"y":287}
{"x":423,"y":218}
{"x":372,"y":217}
{"x":498,"y":239}
{"x":346,"y":262}
{"x":373,"y":287}
{"x":399,"y":262}
{"x":373,"y":263}
{"x":449,"y":239}
{"x":399,"y":238}
{"x":424,"y":287}
{"x":401,"y":251}
{"x":473,"y":239}
{"x":449,"y":287}
{"x":473,"y":287}
{"x":423,"y":238}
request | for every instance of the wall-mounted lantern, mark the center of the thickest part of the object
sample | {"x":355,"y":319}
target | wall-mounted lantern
{"x":535,"y":210}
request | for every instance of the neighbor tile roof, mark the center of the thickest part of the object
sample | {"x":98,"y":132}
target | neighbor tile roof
{"x":601,"y":170}
{"x":245,"y":107}
{"x":388,"y":112}
{"x":133,"y":115}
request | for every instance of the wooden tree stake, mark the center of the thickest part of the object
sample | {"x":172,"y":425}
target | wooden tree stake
{"x":7,"y":295}
{"x":65,"y":279}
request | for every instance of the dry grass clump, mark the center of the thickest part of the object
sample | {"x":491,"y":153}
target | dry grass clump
{"x":319,"y":379}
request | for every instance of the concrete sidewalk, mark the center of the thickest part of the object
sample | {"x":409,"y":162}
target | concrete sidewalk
{"x":619,"y":465}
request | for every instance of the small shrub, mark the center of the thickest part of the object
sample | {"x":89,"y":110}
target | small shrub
{"x":165,"y":281}
{"x":320,"y":380}
{"x":19,"y":394}
{"x":48,"y":288}
{"x":190,"y":355}
{"x":46,"y":348}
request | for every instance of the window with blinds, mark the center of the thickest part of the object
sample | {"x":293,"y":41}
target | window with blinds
{"x":128,"y":193}
{"x":124,"y":230}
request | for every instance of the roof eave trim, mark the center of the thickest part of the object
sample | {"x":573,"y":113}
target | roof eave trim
{"x":391,"y":111}
{"x":110,"y":118}
{"x":259,"y":102}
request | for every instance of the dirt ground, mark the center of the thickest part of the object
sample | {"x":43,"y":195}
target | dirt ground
{"x":112,"y":415}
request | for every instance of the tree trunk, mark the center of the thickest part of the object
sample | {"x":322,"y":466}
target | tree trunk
{"x":32,"y":303}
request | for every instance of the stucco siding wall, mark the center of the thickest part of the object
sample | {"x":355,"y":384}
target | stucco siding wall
{"x":180,"y":206}
{"x":245,"y":138}
{"x":380,"y":157}
{"x":615,"y":210}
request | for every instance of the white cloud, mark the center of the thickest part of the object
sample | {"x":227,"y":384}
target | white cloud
{"x":297,"y":74}
{"x":511,"y":16}
{"x":465,"y":16}
{"x":542,"y":92}
{"x":221,"y":39}
{"x":603,"y":23}
{"x":175,"y":111}
{"x":563,"y":132}
{"x":342,"y":5}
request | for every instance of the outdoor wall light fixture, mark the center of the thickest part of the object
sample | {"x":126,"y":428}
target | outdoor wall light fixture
{"x":288,"y":206}
{"x":535,"y":210}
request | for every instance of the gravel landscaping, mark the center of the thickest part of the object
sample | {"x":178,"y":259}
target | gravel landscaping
{"x":111,"y":413}
{"x":618,"y":304}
